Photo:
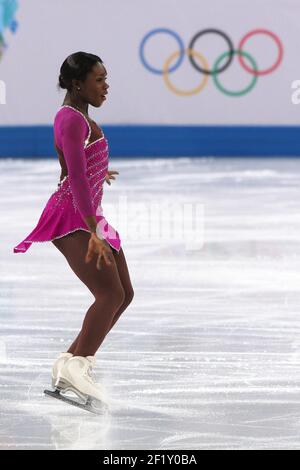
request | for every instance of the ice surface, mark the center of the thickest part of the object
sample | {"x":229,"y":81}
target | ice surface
{"x":207,"y":356}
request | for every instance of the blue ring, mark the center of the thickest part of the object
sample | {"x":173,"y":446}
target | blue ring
{"x":181,"y":50}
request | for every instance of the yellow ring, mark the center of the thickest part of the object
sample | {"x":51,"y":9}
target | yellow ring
{"x":200,"y":87}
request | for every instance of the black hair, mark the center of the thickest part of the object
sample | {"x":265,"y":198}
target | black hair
{"x":76,"y":66}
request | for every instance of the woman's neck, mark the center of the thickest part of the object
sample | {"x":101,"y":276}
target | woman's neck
{"x":76,"y":103}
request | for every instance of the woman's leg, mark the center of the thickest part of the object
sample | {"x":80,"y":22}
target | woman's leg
{"x":105,"y":285}
{"x":128,"y":289}
{"x":126,"y":283}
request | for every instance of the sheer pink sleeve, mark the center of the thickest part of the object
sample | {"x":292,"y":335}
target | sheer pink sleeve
{"x":72,"y":131}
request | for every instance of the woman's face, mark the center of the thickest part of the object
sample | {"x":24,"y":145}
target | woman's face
{"x":95,"y":87}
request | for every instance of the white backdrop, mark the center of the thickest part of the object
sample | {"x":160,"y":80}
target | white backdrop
{"x":49,"y":30}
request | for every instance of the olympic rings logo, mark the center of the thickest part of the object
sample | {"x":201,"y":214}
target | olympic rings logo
{"x":221,"y":64}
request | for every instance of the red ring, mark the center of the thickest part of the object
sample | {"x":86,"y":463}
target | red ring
{"x":280,"y":49}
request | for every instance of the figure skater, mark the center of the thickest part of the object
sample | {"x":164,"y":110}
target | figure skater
{"x":73,"y":221}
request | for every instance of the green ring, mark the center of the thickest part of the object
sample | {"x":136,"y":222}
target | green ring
{"x":234,"y":93}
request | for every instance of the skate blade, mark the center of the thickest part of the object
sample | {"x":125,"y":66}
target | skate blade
{"x":64,"y":386}
{"x":88,"y":405}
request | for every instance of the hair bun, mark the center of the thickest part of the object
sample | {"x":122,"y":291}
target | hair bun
{"x":61,"y":82}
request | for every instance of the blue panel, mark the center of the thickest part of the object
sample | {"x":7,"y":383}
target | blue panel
{"x":164,"y":141}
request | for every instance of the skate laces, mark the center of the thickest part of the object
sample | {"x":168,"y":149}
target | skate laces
{"x":89,"y":374}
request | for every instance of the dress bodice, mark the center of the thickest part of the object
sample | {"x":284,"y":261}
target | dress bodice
{"x":95,"y":133}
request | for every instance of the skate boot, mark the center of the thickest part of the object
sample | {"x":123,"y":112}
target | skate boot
{"x":75,"y":378}
{"x":57,"y":366}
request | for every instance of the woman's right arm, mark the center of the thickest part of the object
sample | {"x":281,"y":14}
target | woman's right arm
{"x":73,"y":134}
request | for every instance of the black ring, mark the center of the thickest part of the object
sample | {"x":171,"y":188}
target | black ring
{"x":224,"y":36}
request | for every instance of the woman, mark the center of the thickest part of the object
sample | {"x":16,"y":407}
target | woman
{"x":74,"y":222}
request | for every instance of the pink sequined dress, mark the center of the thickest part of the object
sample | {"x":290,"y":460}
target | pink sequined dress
{"x":79,"y":194}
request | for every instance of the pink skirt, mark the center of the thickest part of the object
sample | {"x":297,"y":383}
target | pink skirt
{"x":56,"y":221}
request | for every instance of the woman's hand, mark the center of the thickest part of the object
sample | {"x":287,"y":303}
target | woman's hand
{"x":109,"y":176}
{"x":100,"y":248}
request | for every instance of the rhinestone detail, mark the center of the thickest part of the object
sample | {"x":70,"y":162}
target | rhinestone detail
{"x":96,"y":169}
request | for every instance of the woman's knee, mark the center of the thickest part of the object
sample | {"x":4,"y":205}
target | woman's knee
{"x":129,"y":294}
{"x":119,"y":296}
{"x":114,"y":294}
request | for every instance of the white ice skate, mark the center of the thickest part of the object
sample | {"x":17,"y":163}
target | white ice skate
{"x":57,"y":366}
{"x":75,"y":378}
